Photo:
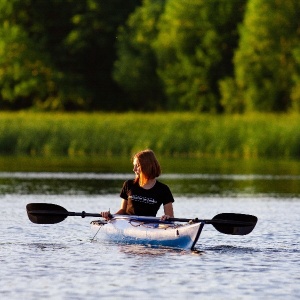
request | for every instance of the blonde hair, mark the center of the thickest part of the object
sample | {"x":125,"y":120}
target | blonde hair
{"x":148,"y":163}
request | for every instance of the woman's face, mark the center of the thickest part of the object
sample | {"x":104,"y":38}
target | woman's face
{"x":136,"y":167}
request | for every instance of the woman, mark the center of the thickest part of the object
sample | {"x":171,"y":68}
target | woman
{"x":144,"y":195}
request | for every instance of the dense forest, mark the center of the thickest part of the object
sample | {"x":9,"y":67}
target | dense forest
{"x":214,"y":56}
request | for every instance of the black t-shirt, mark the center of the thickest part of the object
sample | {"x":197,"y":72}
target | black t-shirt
{"x":143,"y":202}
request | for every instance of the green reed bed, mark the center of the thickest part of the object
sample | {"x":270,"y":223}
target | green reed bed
{"x":174,"y":134}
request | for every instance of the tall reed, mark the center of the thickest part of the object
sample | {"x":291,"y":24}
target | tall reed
{"x":172,"y":134}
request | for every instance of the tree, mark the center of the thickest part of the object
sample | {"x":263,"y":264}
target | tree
{"x":194,"y":48}
{"x":295,"y":90}
{"x":92,"y":46}
{"x":28,"y":74}
{"x":58,"y":54}
{"x":266,"y":76}
{"x":136,"y":64}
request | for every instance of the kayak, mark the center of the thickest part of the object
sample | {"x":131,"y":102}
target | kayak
{"x":148,"y":231}
{"x":180,"y":233}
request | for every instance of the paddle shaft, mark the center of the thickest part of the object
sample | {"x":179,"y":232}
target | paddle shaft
{"x":84,"y":214}
{"x":211,"y":221}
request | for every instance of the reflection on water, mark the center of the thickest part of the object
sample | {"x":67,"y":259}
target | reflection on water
{"x":155,"y":251}
{"x":232,"y":250}
{"x":146,"y":250}
{"x":124,"y":176}
{"x":180,"y":184}
{"x":45,"y":246}
{"x":188,"y":176}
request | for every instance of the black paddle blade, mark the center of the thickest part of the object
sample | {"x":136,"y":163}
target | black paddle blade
{"x":236,"y":224}
{"x":46,"y":213}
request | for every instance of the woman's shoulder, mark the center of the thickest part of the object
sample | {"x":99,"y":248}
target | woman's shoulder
{"x":161,"y":185}
{"x":129,"y":183}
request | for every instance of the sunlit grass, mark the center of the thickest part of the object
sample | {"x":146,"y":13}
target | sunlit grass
{"x":169,"y":134}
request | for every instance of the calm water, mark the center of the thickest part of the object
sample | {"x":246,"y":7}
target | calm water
{"x":61,"y":262}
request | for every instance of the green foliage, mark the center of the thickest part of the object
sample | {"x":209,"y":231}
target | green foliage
{"x":171,"y":134}
{"x":59,"y":54}
{"x":91,"y":46}
{"x":295,"y":77}
{"x":28,"y":75}
{"x":150,"y":55}
{"x":136,"y":66}
{"x":267,"y":60}
{"x":194,"y":48}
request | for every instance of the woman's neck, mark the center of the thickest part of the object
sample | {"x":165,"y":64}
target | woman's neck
{"x":147,"y":183}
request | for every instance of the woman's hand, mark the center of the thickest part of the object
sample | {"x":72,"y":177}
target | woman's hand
{"x":106,"y":215}
{"x":165,"y":217}
{"x":168,"y":210}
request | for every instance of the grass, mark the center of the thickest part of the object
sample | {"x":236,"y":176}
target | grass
{"x":168,"y":134}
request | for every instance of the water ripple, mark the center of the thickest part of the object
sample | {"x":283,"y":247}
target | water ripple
{"x":124,"y":176}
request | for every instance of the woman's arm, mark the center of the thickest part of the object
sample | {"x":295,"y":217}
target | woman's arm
{"x":122,"y":210}
{"x":168,"y":209}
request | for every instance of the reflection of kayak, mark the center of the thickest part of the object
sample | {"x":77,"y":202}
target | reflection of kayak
{"x":143,"y":230}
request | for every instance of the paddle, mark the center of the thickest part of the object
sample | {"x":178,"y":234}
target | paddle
{"x":228,"y":223}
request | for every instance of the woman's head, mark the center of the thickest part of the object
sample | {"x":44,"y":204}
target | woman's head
{"x":146,"y":163}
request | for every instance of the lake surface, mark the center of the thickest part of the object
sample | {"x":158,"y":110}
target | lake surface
{"x":62,"y":261}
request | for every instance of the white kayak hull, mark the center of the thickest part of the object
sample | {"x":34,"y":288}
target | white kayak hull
{"x":138,"y":231}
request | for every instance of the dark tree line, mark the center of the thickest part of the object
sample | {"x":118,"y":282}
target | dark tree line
{"x":198,"y":55}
